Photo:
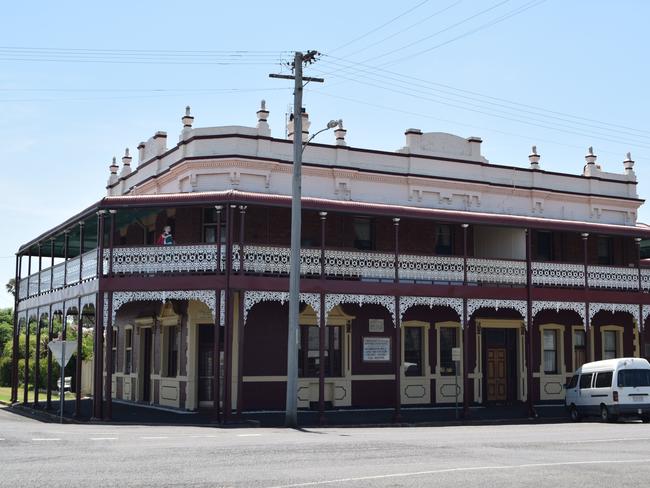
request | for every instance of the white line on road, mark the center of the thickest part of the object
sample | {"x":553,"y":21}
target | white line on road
{"x":248,"y":435}
{"x":153,"y":438}
{"x":620,"y":439}
{"x":39,"y":439}
{"x":103,"y":438}
{"x":454,"y":470}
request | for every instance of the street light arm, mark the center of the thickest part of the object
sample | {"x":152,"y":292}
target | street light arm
{"x":330,"y":125}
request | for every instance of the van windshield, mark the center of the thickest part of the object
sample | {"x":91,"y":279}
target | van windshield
{"x":633,"y":377}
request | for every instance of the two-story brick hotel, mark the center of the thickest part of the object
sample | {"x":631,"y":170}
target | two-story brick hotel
{"x":405,"y":256}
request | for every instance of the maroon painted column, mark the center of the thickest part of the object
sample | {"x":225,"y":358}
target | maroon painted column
{"x":26,"y":372}
{"x":397,"y":416}
{"x":40,"y":267}
{"x":227,"y":408}
{"x":48,"y":386}
{"x":322,"y":326}
{"x":585,"y":239}
{"x":77,"y":404}
{"x":529,"y":325}
{"x":37,"y":356}
{"x":240,"y":321}
{"x":108,"y":409}
{"x":16,"y":333}
{"x":98,"y":366}
{"x":640,"y":325}
{"x":216,"y":366}
{"x":466,"y":383}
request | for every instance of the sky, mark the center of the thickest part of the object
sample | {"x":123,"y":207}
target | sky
{"x":81,"y":81}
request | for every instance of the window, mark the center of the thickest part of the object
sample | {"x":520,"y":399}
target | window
{"x":448,"y":340}
{"x":309,"y":354}
{"x":413,"y":351}
{"x":544,"y":246}
{"x":633,"y":377}
{"x":443,"y":240}
{"x":579,"y":350}
{"x":550,"y":351}
{"x":609,"y":339}
{"x":363,"y":233}
{"x":605,"y":250}
{"x":210,"y":226}
{"x":574,"y":381}
{"x":128,"y":350}
{"x":114,"y":351}
{"x":171,"y":351}
{"x":603,"y":379}
{"x":585,"y":380}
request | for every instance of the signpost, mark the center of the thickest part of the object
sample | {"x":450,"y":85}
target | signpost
{"x":62,"y":351}
{"x":455,"y":357}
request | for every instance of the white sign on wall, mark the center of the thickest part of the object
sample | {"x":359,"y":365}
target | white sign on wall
{"x":455,"y":353}
{"x":376,"y":325}
{"x":376,"y":348}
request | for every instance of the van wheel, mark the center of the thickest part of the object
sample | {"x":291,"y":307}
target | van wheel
{"x":574,"y":414}
{"x":605,"y":416}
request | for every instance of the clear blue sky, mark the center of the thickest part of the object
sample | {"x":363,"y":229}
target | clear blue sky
{"x":62,"y":120}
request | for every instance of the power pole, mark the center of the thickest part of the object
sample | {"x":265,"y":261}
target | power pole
{"x":291,"y":415}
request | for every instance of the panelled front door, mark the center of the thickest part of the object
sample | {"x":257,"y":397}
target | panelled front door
{"x":497,"y":379}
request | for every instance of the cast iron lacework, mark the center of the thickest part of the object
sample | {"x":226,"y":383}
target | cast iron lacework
{"x":630,"y":308}
{"x":122,"y":297}
{"x":89,"y":265}
{"x":407,"y":302}
{"x":434,"y":268}
{"x":496,"y":271}
{"x":613,"y":277}
{"x":160,"y":259}
{"x":253,"y":297}
{"x":645,"y":279}
{"x":88,"y":300}
{"x":332,"y":300}
{"x":562,"y":274}
{"x":578,"y":307}
{"x":646,"y":312}
{"x":356,"y":264}
{"x":270,"y":259}
{"x":519,"y":305}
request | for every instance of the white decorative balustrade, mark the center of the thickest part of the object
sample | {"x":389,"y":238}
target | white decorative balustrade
{"x":645,"y":279}
{"x":613,"y":277}
{"x":274,"y":260}
{"x":431,"y":268}
{"x":558,"y":274}
{"x":496,"y":271}
{"x":58,"y":276}
{"x":89,"y":265}
{"x":198,"y":258}
{"x":358,"y":264}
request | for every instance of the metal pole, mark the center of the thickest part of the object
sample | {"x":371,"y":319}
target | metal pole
{"x":240,"y":317}
{"x":62,"y":385}
{"x":16,"y":333}
{"x":585,"y":239}
{"x":48,"y":386}
{"x":640,"y":325}
{"x":322,"y":327}
{"x":529,"y":323}
{"x":397,"y":416}
{"x":291,"y":416}
{"x":216,"y":369}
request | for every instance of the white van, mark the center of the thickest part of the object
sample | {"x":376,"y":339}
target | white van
{"x":610,"y":389}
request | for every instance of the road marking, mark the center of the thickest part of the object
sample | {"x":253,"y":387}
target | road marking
{"x":1,"y":439}
{"x":153,"y":438}
{"x":103,"y":438}
{"x":248,"y":435}
{"x":39,"y":439}
{"x":457,"y":470}
{"x":620,"y":439}
{"x":203,"y":436}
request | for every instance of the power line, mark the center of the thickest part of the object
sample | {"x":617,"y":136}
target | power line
{"x":372,"y":31}
{"x":476,"y":96}
{"x":436,"y":13}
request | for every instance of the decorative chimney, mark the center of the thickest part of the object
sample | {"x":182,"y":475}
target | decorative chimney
{"x":263,"y":128}
{"x":160,"y":142}
{"x":112,"y":179}
{"x":590,"y":167}
{"x":413,"y":138}
{"x":305,"y":126}
{"x":126,"y":163}
{"x":475,"y":146}
{"x":340,"y":134}
{"x":628,"y":164}
{"x":534,"y":158}
{"x":141,"y":148}
{"x":187,"y":119}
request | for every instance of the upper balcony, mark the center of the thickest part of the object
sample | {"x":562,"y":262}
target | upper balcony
{"x":370,"y":266}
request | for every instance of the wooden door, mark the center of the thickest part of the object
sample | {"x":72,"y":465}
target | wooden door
{"x":497,"y":376}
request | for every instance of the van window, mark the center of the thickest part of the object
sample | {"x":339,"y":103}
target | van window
{"x":585,"y":380}
{"x":633,"y":377}
{"x":604,"y":379}
{"x":574,"y":381}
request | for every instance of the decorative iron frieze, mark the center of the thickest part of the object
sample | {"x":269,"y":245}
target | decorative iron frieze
{"x":251,"y":298}
{"x":334,"y":299}
{"x":521,"y":306}
{"x":120,"y":298}
{"x":407,"y":302}
{"x":496,"y":271}
{"x":578,"y":307}
{"x":613,"y":277}
{"x":558,"y":274}
{"x":163,"y":259}
{"x":630,"y":308}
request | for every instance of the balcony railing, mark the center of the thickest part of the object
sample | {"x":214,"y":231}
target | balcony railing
{"x":341,"y":264}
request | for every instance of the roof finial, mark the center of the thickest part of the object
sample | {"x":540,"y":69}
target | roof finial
{"x":187,"y":119}
{"x":533,"y":158}
{"x":263,"y":128}
{"x":126,"y":163}
{"x":628,"y":164}
{"x":340,"y":132}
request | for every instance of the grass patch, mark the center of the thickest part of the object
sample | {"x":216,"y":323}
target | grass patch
{"x":5,"y":394}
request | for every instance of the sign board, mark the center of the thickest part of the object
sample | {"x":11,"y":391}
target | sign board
{"x":58,"y":353}
{"x":376,"y":325}
{"x":376,"y":348}
{"x":455,"y":353}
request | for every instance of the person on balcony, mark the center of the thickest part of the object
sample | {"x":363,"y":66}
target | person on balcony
{"x":166,"y":238}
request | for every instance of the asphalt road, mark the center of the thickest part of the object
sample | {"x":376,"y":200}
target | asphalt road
{"x":33,"y":453}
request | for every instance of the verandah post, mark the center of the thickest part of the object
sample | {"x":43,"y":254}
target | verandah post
{"x":397,"y":416}
{"x":216,"y":368}
{"x":240,"y":321}
{"x":529,"y":326}
{"x":466,"y":385}
{"x":322,"y":324}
